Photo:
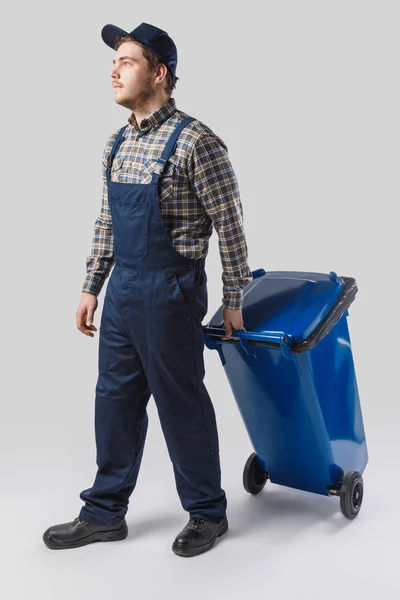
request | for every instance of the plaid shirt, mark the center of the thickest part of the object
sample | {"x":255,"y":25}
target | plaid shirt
{"x":197,"y":190}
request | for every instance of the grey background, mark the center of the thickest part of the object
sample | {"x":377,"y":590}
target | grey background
{"x":306,"y":96}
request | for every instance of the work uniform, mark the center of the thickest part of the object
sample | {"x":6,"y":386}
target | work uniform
{"x":151,"y":342}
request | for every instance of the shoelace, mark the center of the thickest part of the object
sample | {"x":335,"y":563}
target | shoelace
{"x":197,"y":522}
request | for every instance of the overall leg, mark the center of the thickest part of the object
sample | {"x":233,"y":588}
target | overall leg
{"x":174,"y":365}
{"x":122,"y":394}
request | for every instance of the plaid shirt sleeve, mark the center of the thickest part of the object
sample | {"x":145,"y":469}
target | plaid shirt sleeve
{"x":101,"y":259}
{"x":213,"y":180}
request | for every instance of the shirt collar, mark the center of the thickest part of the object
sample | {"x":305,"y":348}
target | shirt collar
{"x":155,"y":119}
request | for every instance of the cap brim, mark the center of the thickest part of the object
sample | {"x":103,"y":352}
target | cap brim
{"x":109,"y":34}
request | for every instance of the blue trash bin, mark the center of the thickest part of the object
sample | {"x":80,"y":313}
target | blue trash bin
{"x":292,"y":375}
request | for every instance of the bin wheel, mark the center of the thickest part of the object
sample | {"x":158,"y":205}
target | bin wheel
{"x":254,"y":477}
{"x":351,"y":494}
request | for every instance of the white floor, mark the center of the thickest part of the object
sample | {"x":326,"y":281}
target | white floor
{"x":282,"y":543}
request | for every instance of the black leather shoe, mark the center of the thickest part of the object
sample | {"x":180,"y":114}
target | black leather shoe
{"x":79,"y":533}
{"x":198,"y":536}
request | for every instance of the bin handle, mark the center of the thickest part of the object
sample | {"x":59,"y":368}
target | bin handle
{"x":278,"y":338}
{"x":258,"y":273}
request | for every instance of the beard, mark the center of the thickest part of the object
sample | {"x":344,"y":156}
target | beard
{"x":142,"y":101}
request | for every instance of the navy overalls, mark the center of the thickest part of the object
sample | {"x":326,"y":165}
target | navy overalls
{"x":151,"y":342}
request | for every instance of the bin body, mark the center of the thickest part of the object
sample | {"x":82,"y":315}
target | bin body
{"x":301,"y":409}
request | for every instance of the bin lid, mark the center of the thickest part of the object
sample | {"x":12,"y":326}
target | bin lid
{"x":290,"y":302}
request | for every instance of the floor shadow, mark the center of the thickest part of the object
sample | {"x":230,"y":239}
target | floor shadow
{"x":278,"y":509}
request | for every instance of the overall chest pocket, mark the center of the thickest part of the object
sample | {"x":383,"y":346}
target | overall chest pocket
{"x":130,"y":217}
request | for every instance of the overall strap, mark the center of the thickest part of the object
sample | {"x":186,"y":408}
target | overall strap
{"x":169,"y":148}
{"x":118,"y":141}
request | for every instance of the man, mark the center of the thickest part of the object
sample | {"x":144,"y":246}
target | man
{"x":167,"y":181}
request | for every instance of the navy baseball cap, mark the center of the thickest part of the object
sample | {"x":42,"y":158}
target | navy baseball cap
{"x":154,"y":38}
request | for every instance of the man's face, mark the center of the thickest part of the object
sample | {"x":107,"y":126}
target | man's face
{"x":131,"y":76}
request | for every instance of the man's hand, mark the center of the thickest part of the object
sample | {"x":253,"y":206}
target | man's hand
{"x":233,"y":319}
{"x":85,"y":314}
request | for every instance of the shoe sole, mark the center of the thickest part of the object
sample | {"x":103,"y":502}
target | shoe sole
{"x":195,"y":551}
{"x":113,"y":535}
